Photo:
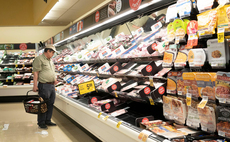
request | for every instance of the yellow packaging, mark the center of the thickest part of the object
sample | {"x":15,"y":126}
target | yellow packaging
{"x":207,"y":22}
{"x":224,"y":18}
{"x":205,"y":85}
{"x":190,"y":84}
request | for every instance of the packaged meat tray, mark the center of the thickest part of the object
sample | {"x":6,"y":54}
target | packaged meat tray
{"x":207,"y":118}
{"x":171,"y":82}
{"x":223,"y":121}
{"x":205,"y":85}
{"x":151,"y":124}
{"x":180,"y":84}
{"x":190,"y":84}
{"x":193,"y":119}
{"x":222,"y":89}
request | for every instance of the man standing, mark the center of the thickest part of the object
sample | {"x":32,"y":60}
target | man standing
{"x":44,"y":73}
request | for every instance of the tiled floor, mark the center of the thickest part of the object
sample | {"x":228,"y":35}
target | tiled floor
{"x":23,"y":127}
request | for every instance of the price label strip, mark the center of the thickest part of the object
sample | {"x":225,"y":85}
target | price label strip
{"x":99,"y":115}
{"x":203,"y":102}
{"x":12,"y":80}
{"x":6,"y":80}
{"x":189,"y":99}
{"x":220,"y":35}
{"x":151,"y":81}
{"x":18,"y":72}
{"x":119,"y":124}
{"x":16,"y":65}
{"x":4,"y":86}
{"x":86,"y":87}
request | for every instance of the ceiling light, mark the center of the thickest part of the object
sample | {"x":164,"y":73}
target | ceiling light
{"x":109,"y":21}
{"x":47,"y":15}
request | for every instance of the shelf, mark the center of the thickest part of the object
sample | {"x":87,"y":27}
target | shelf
{"x":13,"y":64}
{"x":105,"y":130}
{"x":124,"y":77}
{"x":136,"y":59}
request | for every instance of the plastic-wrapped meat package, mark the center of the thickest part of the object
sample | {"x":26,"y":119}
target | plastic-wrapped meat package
{"x":207,"y":119}
{"x":167,"y":108}
{"x":193,"y":119}
{"x":223,"y":87}
{"x":223,"y":121}
{"x":19,"y":83}
{"x":162,"y":34}
{"x":179,"y":111}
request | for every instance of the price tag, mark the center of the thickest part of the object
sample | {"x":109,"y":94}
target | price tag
{"x":99,"y":115}
{"x":151,"y":101}
{"x":97,"y":75}
{"x":221,"y":133}
{"x":203,"y":102}
{"x":4,"y":86}
{"x":220,"y":35}
{"x":144,"y":134}
{"x":189,"y":99}
{"x":177,"y":40}
{"x":106,"y":117}
{"x":23,"y":65}
{"x":12,"y":80}
{"x":16,"y":65}
{"x":151,"y":81}
{"x":86,"y":87}
{"x":222,"y":100}
{"x":18,"y":72}
{"x":204,"y":128}
{"x":201,"y":33}
{"x":116,"y":94}
{"x":6,"y":80}
{"x":166,"y":43}
{"x":119,"y":124}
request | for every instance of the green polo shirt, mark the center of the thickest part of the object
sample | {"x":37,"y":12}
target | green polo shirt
{"x":46,"y":69}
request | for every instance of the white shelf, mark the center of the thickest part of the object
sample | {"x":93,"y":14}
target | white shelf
{"x":13,"y":90}
{"x":105,"y":130}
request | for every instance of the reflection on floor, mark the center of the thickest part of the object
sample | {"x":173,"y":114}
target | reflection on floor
{"x":23,"y":127}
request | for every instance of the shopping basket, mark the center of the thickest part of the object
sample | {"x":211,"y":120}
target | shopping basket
{"x":35,"y":105}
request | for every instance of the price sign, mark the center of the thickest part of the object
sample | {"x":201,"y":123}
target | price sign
{"x":99,"y":115}
{"x":16,"y":65}
{"x":119,"y":124}
{"x":4,"y":86}
{"x":220,"y":35}
{"x":23,"y":65}
{"x":18,"y":72}
{"x":12,"y":80}
{"x":6,"y":80}
{"x":189,"y":99}
{"x":203,"y":102}
{"x":86,"y":87}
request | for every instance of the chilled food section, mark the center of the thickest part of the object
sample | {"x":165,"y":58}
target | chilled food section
{"x":167,"y":84}
{"x":16,"y":72}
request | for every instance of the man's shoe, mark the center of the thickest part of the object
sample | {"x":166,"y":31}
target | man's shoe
{"x":51,"y":124}
{"x":43,"y":126}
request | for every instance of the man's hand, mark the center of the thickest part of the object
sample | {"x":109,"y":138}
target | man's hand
{"x":35,"y":88}
{"x":55,"y":82}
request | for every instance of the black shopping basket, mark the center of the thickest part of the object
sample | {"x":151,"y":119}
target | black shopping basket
{"x":34,"y":105}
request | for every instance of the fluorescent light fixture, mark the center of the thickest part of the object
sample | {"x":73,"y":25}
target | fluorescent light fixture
{"x":47,"y":15}
{"x":108,"y":21}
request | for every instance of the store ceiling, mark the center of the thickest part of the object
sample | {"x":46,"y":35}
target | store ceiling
{"x":66,"y":11}
{"x":31,"y":12}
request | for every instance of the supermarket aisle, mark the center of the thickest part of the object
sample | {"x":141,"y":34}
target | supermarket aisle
{"x":23,"y":127}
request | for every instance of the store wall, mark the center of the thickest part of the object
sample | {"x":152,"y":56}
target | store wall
{"x":25,"y":34}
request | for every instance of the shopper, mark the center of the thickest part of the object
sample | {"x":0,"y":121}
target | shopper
{"x":44,"y":81}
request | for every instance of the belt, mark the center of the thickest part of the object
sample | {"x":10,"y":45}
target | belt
{"x":48,"y":83}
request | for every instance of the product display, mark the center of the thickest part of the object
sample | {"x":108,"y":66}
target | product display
{"x":177,"y":73}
